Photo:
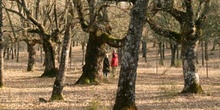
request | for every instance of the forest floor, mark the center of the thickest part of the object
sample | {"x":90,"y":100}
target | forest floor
{"x":157,"y":87}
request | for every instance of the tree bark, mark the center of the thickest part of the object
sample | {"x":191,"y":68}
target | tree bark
{"x":98,"y":38}
{"x":12,"y":52}
{"x":203,"y":58}
{"x":144,"y":50}
{"x":125,"y":97}
{"x":173,"y":48}
{"x":93,"y":61}
{"x":1,"y":48}
{"x":60,"y":78}
{"x":190,"y":33}
{"x":18,"y":51}
{"x":8,"y":53}
{"x":160,"y":45}
{"x":31,"y":56}
{"x":191,"y":77}
{"x":49,"y":60}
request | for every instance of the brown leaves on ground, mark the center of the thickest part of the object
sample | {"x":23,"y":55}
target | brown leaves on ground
{"x":154,"y":91}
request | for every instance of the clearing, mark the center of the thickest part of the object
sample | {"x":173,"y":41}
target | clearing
{"x":156,"y":89}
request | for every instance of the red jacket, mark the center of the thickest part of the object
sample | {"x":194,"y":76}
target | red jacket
{"x":114,"y":61}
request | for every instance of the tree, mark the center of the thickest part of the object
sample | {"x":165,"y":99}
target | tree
{"x":1,"y":47}
{"x":211,"y":29}
{"x":191,"y":22}
{"x":60,"y":78}
{"x":125,"y":97}
{"x":99,"y":35}
{"x":31,"y":55}
{"x":49,"y":39}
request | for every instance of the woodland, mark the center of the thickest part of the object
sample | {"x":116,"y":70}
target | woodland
{"x":52,"y":52}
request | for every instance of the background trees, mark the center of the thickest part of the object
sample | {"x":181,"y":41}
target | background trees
{"x":1,"y":47}
{"x":48,"y":30}
{"x":99,"y":36}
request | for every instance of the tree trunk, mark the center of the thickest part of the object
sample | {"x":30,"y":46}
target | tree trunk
{"x":70,"y":55}
{"x":31,"y":56}
{"x":191,"y":77}
{"x":173,"y":48}
{"x":12,"y":52}
{"x":98,"y":37}
{"x":18,"y":50}
{"x":41,"y":54}
{"x":83,"y":52}
{"x":60,"y":78}
{"x":58,"y":53}
{"x":1,"y":48}
{"x":8,"y":53}
{"x":92,"y":70}
{"x":1,"y":57}
{"x":160,"y":45}
{"x":203,"y":58}
{"x":125,"y":97}
{"x":178,"y":54}
{"x":206,"y":51}
{"x":144,"y":50}
{"x":49,"y":61}
{"x":163,"y":49}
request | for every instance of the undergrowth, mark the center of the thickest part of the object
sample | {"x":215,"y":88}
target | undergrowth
{"x":168,"y":90}
{"x":95,"y":105}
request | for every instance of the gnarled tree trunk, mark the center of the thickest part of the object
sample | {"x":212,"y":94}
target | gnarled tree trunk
{"x":95,"y":51}
{"x":190,"y":33}
{"x":191,"y":77}
{"x":93,"y":61}
{"x":125,"y":97}
{"x":49,"y":60}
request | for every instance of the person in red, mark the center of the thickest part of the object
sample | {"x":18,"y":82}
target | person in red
{"x":114,"y":62}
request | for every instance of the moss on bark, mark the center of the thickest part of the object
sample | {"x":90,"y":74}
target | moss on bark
{"x":194,"y":88}
{"x":87,"y":81}
{"x":56,"y":97}
{"x":125,"y":107}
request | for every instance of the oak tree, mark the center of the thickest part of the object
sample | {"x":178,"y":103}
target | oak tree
{"x":190,"y":22}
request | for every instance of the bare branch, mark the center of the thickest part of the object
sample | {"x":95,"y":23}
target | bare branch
{"x":201,"y":14}
{"x":32,"y":19}
{"x":177,"y":14}
{"x":168,"y":7}
{"x":79,"y":7}
{"x":15,"y":12}
{"x":164,"y":32}
{"x":112,"y":41}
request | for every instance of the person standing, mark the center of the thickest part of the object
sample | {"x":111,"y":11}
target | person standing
{"x":114,"y":62}
{"x":106,"y":66}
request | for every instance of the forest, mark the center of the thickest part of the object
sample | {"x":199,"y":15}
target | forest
{"x":53,"y":52}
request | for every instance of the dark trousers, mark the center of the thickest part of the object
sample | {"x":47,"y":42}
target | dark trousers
{"x":105,"y":74}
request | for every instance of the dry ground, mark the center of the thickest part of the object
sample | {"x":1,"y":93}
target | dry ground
{"x":154,"y":91}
